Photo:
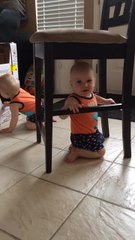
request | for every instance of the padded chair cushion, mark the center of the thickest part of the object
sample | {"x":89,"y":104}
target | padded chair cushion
{"x":77,"y":35}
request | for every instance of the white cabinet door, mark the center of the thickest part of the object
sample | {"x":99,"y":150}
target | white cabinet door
{"x":62,"y":75}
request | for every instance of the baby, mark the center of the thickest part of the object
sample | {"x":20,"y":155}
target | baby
{"x":86,"y":140}
{"x":20,"y":101}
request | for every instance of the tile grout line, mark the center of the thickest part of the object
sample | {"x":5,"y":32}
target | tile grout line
{"x":112,"y":203}
{"x":11,"y":235}
{"x":67,"y":217}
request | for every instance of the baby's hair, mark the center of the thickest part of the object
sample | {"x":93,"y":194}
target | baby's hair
{"x":80,"y":66}
{"x":9,"y":85}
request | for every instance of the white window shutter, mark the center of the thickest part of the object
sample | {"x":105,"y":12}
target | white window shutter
{"x":60,"y":14}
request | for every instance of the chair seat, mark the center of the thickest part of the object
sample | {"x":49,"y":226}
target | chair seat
{"x":77,"y":35}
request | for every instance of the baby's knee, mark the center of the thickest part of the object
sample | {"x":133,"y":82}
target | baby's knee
{"x":30,"y":125}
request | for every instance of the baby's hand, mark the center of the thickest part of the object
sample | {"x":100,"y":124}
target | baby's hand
{"x":72,"y":104}
{"x":109,"y":101}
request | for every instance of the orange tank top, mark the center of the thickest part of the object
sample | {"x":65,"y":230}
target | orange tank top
{"x":26,"y":100}
{"x":84,"y":123}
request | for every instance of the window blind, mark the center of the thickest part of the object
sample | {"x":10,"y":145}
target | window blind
{"x":60,"y":14}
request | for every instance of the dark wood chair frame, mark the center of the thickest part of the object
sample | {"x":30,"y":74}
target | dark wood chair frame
{"x":45,"y":53}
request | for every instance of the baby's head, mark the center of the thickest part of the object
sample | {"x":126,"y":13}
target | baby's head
{"x":82,"y":78}
{"x":9,"y":86}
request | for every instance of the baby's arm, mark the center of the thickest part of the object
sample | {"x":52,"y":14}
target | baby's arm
{"x":72,"y":104}
{"x":14,"y":108}
{"x":101,"y":100}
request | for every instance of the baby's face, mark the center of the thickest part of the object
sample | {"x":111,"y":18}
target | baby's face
{"x":83,"y":83}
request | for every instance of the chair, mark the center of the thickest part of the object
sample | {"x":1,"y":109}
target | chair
{"x":50,"y":45}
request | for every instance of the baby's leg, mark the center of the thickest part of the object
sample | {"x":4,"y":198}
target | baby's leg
{"x":77,"y":152}
{"x":30,"y":125}
{"x":70,"y":146}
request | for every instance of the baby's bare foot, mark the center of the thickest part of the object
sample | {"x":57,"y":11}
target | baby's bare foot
{"x":54,"y":119}
{"x":72,"y":156}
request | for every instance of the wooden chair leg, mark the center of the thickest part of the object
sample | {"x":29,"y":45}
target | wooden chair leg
{"x":103,"y":93}
{"x":48,"y":97}
{"x":126,"y":131}
{"x":126,"y":98}
{"x":105,"y":124}
{"x":38,"y":66}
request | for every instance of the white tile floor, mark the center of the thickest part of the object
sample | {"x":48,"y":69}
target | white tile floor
{"x":86,"y":200}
